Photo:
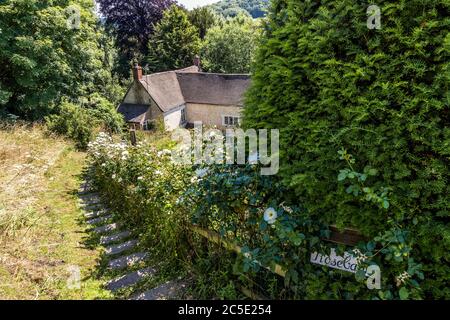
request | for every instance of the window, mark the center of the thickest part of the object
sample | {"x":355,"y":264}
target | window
{"x":231,"y":121}
{"x":183,"y":116}
{"x":148,"y":125}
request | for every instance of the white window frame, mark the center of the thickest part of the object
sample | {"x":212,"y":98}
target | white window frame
{"x":236,"y":120}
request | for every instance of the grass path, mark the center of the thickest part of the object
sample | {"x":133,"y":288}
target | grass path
{"x":45,"y":248}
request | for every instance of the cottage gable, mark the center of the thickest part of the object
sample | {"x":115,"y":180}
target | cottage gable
{"x":183,"y":96}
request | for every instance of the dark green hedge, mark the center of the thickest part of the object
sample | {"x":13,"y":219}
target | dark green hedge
{"x":328,"y":82}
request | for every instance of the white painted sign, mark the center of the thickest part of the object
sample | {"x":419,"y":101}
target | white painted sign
{"x":345,"y":263}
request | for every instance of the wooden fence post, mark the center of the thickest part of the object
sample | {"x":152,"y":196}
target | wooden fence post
{"x":133,"y":137}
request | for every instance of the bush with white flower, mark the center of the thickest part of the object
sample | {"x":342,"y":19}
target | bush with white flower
{"x":161,"y":200}
{"x":142,"y":186}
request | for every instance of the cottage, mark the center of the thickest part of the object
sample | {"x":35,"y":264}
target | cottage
{"x":185,"y":96}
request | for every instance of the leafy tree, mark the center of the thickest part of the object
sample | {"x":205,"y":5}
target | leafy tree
{"x":47,"y":55}
{"x":229,"y":48}
{"x":203,"y":18}
{"x":328,"y":81}
{"x":174,"y":43}
{"x":132,"y":22}
{"x":232,"y":8}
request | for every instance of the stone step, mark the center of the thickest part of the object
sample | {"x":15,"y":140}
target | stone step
{"x":89,"y":196}
{"x":130,"y":279}
{"x":100,"y":220}
{"x":119,"y":248}
{"x":86,"y":188}
{"x":114,"y":238}
{"x":106,"y":228}
{"x":95,"y":213}
{"x":167,"y":291}
{"x":89,"y":202}
{"x":128,"y":261}
{"x":92,"y":207}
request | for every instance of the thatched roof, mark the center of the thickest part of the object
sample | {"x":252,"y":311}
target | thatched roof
{"x":213,"y":88}
{"x":174,"y":88}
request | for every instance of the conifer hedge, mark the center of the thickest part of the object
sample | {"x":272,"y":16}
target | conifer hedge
{"x":350,"y":99}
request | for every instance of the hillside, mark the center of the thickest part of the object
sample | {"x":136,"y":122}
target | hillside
{"x":230,"y":8}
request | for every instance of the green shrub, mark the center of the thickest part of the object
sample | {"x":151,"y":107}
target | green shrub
{"x":328,"y":82}
{"x":81,"y":123}
{"x":105,"y":112}
{"x":73,"y":122}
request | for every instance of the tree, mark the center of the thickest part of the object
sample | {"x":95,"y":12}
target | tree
{"x":232,"y":8}
{"x":132,"y":22}
{"x":229,"y":48}
{"x":48,"y":50}
{"x":327,"y":81}
{"x":203,"y":18}
{"x":175,"y":42}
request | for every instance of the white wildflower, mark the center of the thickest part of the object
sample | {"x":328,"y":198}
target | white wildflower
{"x":270,"y":215}
{"x":402,"y":278}
{"x":201,"y":172}
{"x":164,"y":152}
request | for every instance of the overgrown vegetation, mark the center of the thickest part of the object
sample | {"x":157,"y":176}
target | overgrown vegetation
{"x":40,"y":236}
{"x":382,"y":94}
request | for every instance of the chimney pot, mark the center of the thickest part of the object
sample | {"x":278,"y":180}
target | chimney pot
{"x":197,"y":62}
{"x":137,"y":72}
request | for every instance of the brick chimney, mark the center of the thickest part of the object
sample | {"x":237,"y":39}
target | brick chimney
{"x":137,"y":72}
{"x":197,"y":62}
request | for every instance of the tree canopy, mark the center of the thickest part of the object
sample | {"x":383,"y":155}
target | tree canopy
{"x":231,"y":8}
{"x":132,"y":22}
{"x":203,"y":18}
{"x":49,"y":50}
{"x":230,"y":46}
{"x":174,"y":43}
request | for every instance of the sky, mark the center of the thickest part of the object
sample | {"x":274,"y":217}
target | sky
{"x":190,"y":4}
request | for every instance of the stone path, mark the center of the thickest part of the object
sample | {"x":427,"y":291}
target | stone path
{"x":129,"y":279}
{"x":128,"y":261}
{"x":167,"y":291}
{"x":118,"y":245}
{"x":104,"y":240}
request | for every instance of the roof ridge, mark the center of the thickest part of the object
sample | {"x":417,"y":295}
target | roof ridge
{"x":216,"y":73}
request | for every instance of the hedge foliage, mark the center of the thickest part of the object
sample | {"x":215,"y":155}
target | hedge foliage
{"x":379,"y":96}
